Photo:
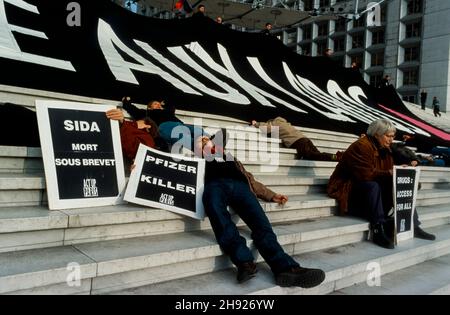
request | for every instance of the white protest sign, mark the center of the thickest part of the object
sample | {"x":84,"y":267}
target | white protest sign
{"x":82,"y":154}
{"x":167,"y":181}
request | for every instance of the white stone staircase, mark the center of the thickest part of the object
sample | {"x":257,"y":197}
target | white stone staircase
{"x":132,"y":249}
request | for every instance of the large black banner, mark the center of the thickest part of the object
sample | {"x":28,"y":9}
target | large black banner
{"x":166,"y":181}
{"x":82,"y":155}
{"x":98,"y":49}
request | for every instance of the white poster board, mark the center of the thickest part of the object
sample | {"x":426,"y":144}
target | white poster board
{"x":406,"y":184}
{"x":167,"y":181}
{"x":82,"y":154}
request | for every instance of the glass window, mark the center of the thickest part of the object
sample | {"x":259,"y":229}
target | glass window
{"x":414,"y":6}
{"x":410,"y":77}
{"x":305,"y":50}
{"x":377,"y":59}
{"x":358,"y":60}
{"x":358,"y":40}
{"x":324,"y":3}
{"x":323,"y":29}
{"x":341,"y":25}
{"x":291,"y":36}
{"x":375,"y":79}
{"x":359,"y":22}
{"x":306,"y":30}
{"x":409,"y":98}
{"x":378,"y":37}
{"x":339,"y":44}
{"x":321,"y":46}
{"x":412,"y":53}
{"x":308,"y":5}
{"x":413,"y":29}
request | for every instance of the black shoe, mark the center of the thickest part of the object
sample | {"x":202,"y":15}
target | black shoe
{"x":419,"y":233}
{"x":300,"y":277}
{"x":380,"y":238}
{"x":246,"y":271}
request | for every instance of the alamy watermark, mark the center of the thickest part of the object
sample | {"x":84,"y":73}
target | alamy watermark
{"x":73,"y":278}
{"x":373,"y":14}
{"x":74,"y":17}
{"x":374,"y":276}
{"x":245,"y":144}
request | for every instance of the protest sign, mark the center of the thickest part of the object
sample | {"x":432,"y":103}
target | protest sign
{"x":406,"y":183}
{"x":82,"y":154}
{"x":167,"y":181}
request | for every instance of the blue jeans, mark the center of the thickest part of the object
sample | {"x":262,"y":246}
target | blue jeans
{"x":221,"y":193}
{"x":186,"y":135}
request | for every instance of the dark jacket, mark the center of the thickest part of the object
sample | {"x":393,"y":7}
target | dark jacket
{"x":364,"y":160}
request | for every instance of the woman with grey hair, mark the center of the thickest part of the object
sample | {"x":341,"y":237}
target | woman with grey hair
{"x":362,"y":181}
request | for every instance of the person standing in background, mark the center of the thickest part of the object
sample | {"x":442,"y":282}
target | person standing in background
{"x":423,"y":98}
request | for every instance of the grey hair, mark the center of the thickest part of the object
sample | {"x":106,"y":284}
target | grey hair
{"x":380,"y":127}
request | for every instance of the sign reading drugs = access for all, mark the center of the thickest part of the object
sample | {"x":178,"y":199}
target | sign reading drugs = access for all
{"x":168,"y":182}
{"x":406,"y":181}
{"x":82,"y":154}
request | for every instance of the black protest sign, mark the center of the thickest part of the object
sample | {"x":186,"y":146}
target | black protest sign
{"x":82,"y":154}
{"x":406,"y":181}
{"x":166,"y":181}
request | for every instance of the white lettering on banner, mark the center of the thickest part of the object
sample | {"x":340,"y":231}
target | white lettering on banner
{"x":171,"y":165}
{"x":168,"y":184}
{"x":233,"y":95}
{"x":121,"y":69}
{"x":9,"y":48}
{"x":82,"y":126}
{"x":257,"y":93}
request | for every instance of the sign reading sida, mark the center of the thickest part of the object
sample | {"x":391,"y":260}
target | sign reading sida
{"x":82,"y":154}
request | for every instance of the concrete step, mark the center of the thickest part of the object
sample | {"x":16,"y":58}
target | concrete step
{"x":36,"y":227}
{"x":433,"y":197}
{"x":138,"y":261}
{"x":18,"y":190}
{"x":20,"y":160}
{"x":344,"y":266}
{"x":429,"y":277}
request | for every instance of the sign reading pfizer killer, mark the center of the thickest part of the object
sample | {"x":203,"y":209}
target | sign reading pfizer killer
{"x":167,"y":181}
{"x":406,"y":183}
{"x":82,"y":154}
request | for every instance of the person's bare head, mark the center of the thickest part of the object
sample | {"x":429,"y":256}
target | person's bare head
{"x":219,"y":20}
{"x":155,"y":105}
{"x":269,"y":26}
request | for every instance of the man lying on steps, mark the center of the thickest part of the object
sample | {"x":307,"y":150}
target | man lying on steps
{"x":227,"y":183}
{"x":293,"y":138}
